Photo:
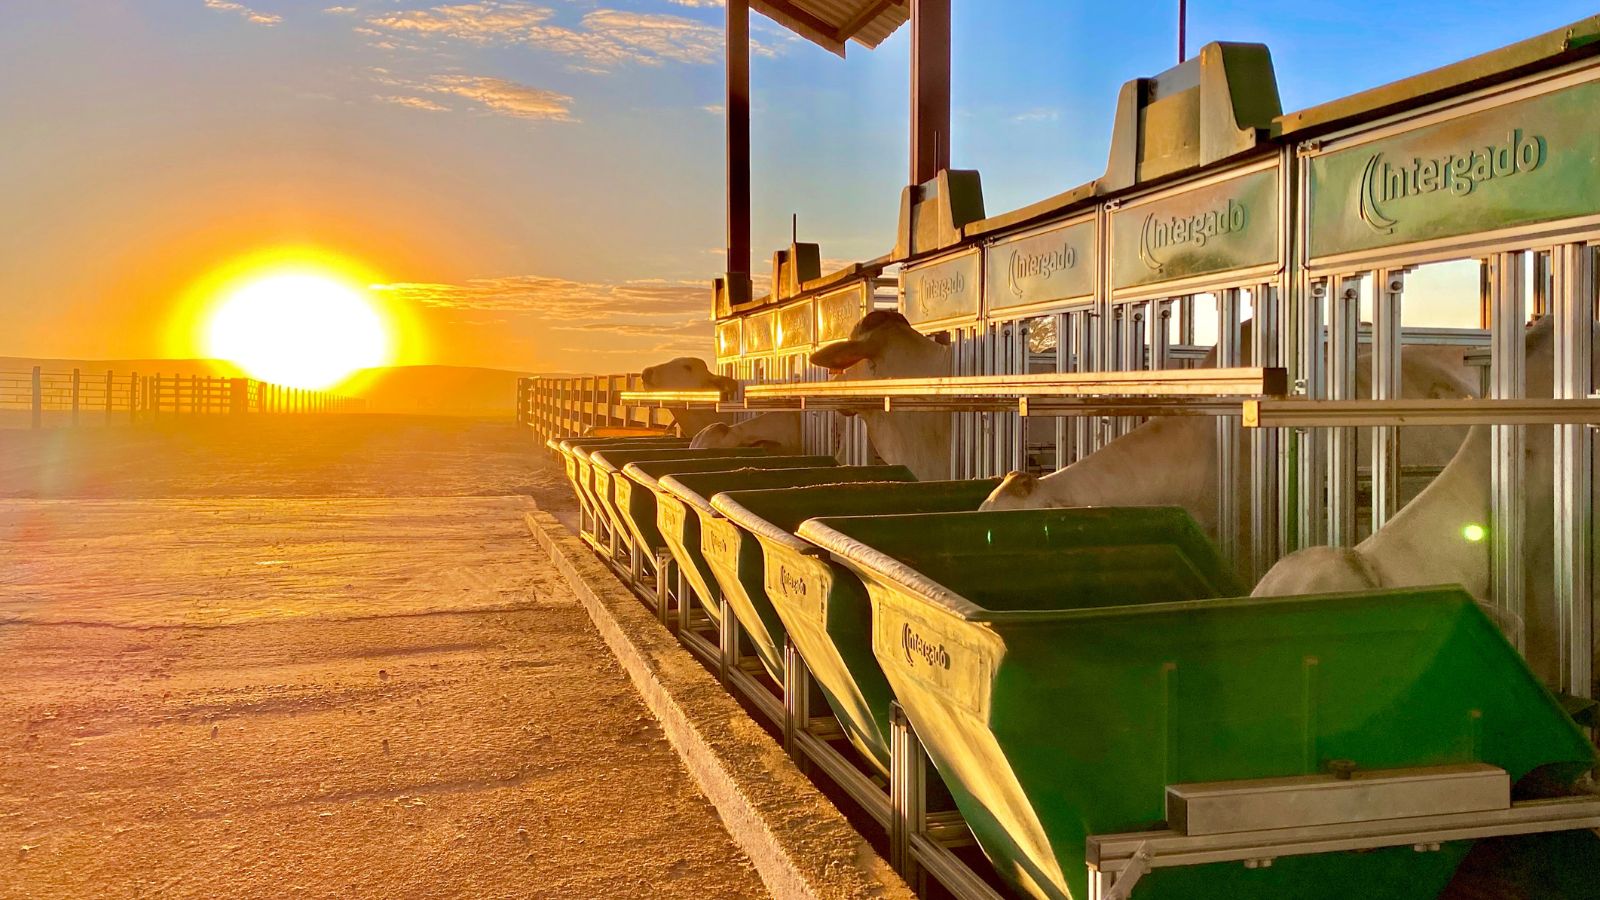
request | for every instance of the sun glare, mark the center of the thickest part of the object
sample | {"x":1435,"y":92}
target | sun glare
{"x":303,"y":329}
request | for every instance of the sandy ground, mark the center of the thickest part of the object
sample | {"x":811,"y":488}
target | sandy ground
{"x":337,"y":680}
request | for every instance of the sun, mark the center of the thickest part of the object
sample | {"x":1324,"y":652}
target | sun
{"x":302,"y":328}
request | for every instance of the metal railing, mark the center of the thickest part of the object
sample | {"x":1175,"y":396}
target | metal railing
{"x":566,"y":406}
{"x":112,"y":395}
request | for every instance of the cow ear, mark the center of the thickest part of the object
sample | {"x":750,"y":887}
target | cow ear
{"x":840,"y":356}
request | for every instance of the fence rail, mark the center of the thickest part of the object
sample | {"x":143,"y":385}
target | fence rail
{"x":114,"y":395}
{"x":569,"y":406}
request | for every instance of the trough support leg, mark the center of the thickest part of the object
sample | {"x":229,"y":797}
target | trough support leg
{"x":635,"y":566}
{"x":728,"y":640}
{"x":685,"y":600}
{"x":796,"y":703}
{"x":664,"y":590}
{"x":907,"y":796}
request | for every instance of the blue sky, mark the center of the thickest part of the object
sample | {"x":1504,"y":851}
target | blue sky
{"x":545,"y":177}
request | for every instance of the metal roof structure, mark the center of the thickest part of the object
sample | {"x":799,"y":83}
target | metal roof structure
{"x":829,"y":23}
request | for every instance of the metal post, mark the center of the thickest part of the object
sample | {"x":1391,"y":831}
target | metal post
{"x":133,"y":397}
{"x":1228,"y":428}
{"x":1386,"y":348}
{"x":1344,"y":322}
{"x":907,"y":793}
{"x":110,"y":386}
{"x":738,"y":111}
{"x":38,"y":398}
{"x":77,"y":387}
{"x":1572,"y":287}
{"x":930,"y":89}
{"x":1507,"y":305}
{"x":1265,"y":494}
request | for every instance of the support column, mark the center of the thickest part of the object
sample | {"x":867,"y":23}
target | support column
{"x":738,"y":111}
{"x":930,"y":88}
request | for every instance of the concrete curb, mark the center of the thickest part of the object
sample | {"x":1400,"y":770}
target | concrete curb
{"x":801,"y":845}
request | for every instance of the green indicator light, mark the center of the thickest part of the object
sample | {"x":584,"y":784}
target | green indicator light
{"x":1474,"y":533}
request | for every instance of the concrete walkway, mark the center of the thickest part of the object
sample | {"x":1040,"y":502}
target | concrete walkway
{"x":323,"y":697}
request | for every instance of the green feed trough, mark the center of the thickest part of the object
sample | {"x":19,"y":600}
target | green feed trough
{"x":606,"y":465}
{"x":732,"y":557}
{"x":823,"y":606}
{"x":1061,"y":700}
{"x":635,"y":490}
{"x":575,"y":456}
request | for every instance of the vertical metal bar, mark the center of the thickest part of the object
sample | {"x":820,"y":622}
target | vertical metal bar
{"x":1507,"y":515}
{"x":1387,"y":297}
{"x":37,"y":404}
{"x":738,"y":148}
{"x":77,"y":387}
{"x":1021,"y":360}
{"x":930,"y":88}
{"x":1228,"y":428}
{"x":1572,"y":290}
{"x":1344,"y":322}
{"x":907,"y":792}
{"x":1265,"y":493}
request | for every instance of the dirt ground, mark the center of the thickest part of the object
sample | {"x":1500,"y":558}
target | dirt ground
{"x":317,"y":658}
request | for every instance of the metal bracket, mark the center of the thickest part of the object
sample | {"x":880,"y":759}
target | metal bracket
{"x":1138,"y":866}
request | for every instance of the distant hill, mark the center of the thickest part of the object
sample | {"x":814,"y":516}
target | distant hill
{"x":428,"y":390}
{"x":437,"y":390}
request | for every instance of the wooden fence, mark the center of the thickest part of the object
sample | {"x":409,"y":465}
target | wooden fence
{"x":114,"y":395}
{"x":556,"y":406}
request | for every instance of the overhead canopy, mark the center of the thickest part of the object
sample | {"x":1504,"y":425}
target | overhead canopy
{"x":829,"y":23}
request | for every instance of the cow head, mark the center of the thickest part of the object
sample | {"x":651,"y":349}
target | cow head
{"x":1013,"y":493}
{"x":686,"y":373}
{"x":889,"y":347}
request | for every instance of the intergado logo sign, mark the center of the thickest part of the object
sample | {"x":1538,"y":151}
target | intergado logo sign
{"x":947,"y":289}
{"x":917,"y":648}
{"x":1385,"y":184}
{"x":1023,"y":266}
{"x":1162,"y":234}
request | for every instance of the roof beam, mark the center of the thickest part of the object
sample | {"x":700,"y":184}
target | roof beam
{"x":785,"y":13}
{"x":861,"y":19}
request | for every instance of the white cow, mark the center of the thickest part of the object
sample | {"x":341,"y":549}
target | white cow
{"x":1441,"y":537}
{"x":884,"y":345}
{"x":689,"y":373}
{"x":1172,"y":460}
{"x":778,"y":432}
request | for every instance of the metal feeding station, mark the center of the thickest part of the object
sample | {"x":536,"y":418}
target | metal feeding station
{"x":1086,"y":702}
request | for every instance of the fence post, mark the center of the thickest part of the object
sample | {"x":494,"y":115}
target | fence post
{"x":77,"y":385}
{"x":38,"y":397}
{"x":133,"y":397}
{"x":109,"y":388}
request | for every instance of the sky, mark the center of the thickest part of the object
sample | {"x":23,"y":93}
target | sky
{"x":539,"y":184}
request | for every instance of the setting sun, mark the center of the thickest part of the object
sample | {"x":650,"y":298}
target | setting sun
{"x":302,"y":329}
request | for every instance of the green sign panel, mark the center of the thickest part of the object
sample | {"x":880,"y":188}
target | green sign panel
{"x":794,"y":325}
{"x":839,"y":311}
{"x":1050,"y":266}
{"x":1535,"y":160}
{"x":1209,"y":230}
{"x":942,"y":291}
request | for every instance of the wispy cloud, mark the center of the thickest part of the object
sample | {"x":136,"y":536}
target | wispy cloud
{"x":643,"y":316}
{"x":506,"y":97}
{"x":414,"y":102}
{"x":1038,"y":114}
{"x":496,"y":95}
{"x":339,"y":10}
{"x":601,"y":40}
{"x":249,"y":14}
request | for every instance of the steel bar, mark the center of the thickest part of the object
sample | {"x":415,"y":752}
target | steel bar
{"x":1508,"y":513}
{"x":1296,"y":413}
{"x":1344,"y":317}
{"x":1571,"y":296}
{"x":674,"y":397}
{"x":1246,"y":380}
{"x":1111,"y":853}
{"x":1387,"y":334}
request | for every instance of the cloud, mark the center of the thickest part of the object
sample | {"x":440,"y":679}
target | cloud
{"x":249,"y":14}
{"x":602,"y":40}
{"x":700,"y":4}
{"x":496,"y":95}
{"x":506,"y":97}
{"x":414,"y":103}
{"x":671,"y":315}
{"x":560,"y":299}
{"x":1038,"y":114}
{"x":339,"y":10}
